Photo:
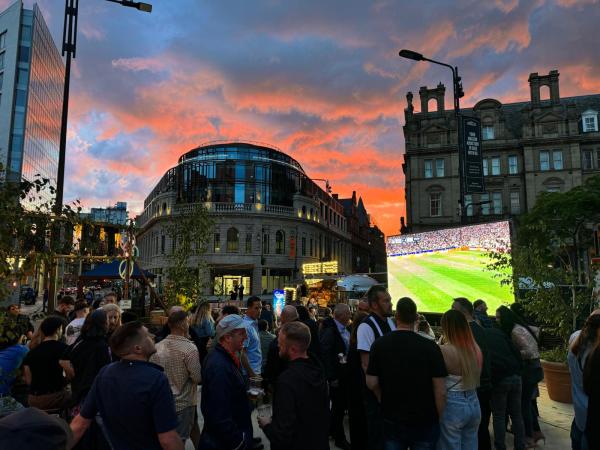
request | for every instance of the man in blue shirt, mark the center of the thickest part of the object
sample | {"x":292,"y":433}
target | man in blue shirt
{"x":132,"y":396}
{"x":252,"y":356}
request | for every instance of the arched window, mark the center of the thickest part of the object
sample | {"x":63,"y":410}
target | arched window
{"x":280,"y":242}
{"x":233,"y":240}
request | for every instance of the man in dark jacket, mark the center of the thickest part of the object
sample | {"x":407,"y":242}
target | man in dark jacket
{"x":301,"y":407}
{"x":276,"y":364}
{"x":224,"y":401}
{"x":335,"y":342}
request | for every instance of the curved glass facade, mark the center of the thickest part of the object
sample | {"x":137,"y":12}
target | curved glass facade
{"x":237,"y":173}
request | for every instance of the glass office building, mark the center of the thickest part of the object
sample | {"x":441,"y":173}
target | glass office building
{"x":32,"y":74}
{"x":241,"y":173}
{"x":270,"y":217}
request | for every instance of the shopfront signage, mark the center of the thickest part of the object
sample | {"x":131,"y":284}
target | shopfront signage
{"x":320,"y":268}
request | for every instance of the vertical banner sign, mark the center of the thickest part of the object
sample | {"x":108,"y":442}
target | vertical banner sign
{"x":472,"y":157}
{"x":278,"y":301}
{"x":292,"y":247}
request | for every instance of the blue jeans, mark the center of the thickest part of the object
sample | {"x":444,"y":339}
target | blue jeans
{"x":402,"y":436}
{"x":460,"y":421}
{"x":578,"y":439}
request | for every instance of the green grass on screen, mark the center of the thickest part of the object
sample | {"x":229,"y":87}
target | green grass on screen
{"x":432,"y":280}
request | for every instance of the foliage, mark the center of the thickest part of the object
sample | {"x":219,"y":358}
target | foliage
{"x":546,"y":257}
{"x":31,"y":232}
{"x":556,"y":355}
{"x":190,"y":230}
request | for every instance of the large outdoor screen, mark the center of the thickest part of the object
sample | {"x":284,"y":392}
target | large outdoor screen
{"x":434,"y":267}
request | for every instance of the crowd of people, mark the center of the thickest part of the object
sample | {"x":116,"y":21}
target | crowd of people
{"x":122,"y":385}
{"x":489,"y":236}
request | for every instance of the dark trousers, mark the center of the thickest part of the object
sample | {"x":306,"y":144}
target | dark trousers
{"x":357,"y":418}
{"x":374,"y":421}
{"x":483,"y":433}
{"x":506,"y":399}
{"x":403,"y":436}
{"x":339,"y":405}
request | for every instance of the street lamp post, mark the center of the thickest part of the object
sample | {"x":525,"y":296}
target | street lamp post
{"x":458,"y":93}
{"x":69,"y":48}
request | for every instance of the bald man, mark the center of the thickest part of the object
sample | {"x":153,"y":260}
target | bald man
{"x":275,"y":364}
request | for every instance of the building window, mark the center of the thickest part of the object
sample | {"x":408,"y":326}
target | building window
{"x":248,"y":242}
{"x":557,"y":160}
{"x":468,"y":206}
{"x":496,"y":166}
{"x":280,"y":242}
{"x":589,"y":120}
{"x":428,"y":168}
{"x":487,"y":132}
{"x":311,"y":247}
{"x":2,"y":61}
{"x":303,"y":245}
{"x":233,"y":240}
{"x":1,"y":79}
{"x":265,"y":244}
{"x":515,"y":203}
{"x":598,"y":159}
{"x":485,"y":166}
{"x":217,"y":243}
{"x":513,"y":164}
{"x":544,"y":160}
{"x":485,"y":204}
{"x":497,"y":202}
{"x":439,"y":167}
{"x":162,"y":244}
{"x":2,"y":40}
{"x":587,"y":160}
{"x":435,"y":204}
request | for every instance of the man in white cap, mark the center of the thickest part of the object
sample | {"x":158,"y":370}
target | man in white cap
{"x":224,"y":401}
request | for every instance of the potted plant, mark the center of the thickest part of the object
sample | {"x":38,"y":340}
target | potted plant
{"x":556,"y":374}
{"x":548,"y":270}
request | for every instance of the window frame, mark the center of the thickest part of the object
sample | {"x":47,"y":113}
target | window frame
{"x":498,"y":165}
{"x":513,"y":169}
{"x":547,"y":162}
{"x":438,"y":167}
{"x":554,"y":160}
{"x":515,"y":195}
{"x":488,"y":133}
{"x":428,"y":173}
{"x":438,"y":204}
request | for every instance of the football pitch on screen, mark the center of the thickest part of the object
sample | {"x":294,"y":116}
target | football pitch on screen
{"x":433,"y":279}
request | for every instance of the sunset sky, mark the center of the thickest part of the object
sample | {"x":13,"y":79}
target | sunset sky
{"x":319,"y":79}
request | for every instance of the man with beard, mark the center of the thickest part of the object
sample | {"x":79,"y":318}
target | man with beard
{"x":376,"y":325}
{"x":301,"y":407}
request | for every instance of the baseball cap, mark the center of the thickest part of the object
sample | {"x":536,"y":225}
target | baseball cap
{"x":228,"y":324}
{"x":33,"y":429}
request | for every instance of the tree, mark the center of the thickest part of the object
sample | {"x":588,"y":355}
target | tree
{"x":548,"y":256}
{"x":27,"y":223}
{"x":190,"y":230}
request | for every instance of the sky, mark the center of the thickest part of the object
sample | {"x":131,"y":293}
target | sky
{"x":319,"y":79}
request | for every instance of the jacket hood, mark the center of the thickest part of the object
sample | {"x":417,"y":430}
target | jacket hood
{"x":308,"y":371}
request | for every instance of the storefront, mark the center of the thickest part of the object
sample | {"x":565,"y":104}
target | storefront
{"x":229,"y":279}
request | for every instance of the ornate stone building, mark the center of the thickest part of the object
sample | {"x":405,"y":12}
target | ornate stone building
{"x":548,"y":143}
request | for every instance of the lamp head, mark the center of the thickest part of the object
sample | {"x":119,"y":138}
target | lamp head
{"x":409,"y":54}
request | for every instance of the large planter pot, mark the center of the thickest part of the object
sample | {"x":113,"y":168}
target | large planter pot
{"x":558,"y":381}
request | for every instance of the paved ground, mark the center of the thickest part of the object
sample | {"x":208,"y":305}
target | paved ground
{"x":555,"y":422}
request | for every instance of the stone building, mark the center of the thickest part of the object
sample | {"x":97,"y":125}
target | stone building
{"x":368,"y":241}
{"x":270,"y":217}
{"x":546,"y":144}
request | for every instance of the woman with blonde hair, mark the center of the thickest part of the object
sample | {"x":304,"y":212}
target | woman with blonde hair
{"x":460,"y":421}
{"x":204,"y":326}
{"x":113,"y":312}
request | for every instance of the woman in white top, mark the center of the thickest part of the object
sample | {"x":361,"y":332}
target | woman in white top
{"x":460,"y":421}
